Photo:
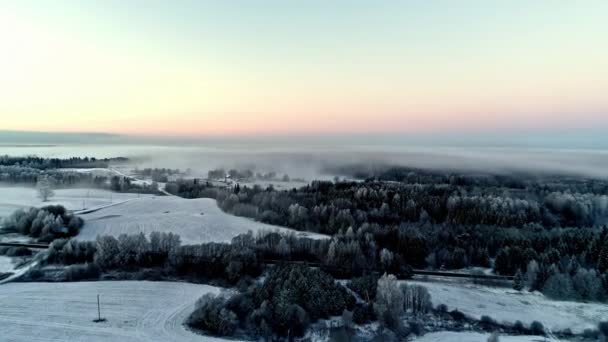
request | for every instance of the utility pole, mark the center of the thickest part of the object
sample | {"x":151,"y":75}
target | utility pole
{"x":98,"y":309}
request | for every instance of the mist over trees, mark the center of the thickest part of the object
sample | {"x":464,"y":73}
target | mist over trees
{"x":52,"y":173}
{"x":157,"y":174}
{"x":58,"y":163}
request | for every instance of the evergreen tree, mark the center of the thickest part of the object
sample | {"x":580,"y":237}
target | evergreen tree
{"x":602,"y":262}
{"x":518,"y":281}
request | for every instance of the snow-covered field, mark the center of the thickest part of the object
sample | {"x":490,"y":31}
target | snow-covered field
{"x":506,"y":305}
{"x":195,"y":220}
{"x":6,"y":264}
{"x":445,"y":336}
{"x":135,"y":311}
{"x":13,"y":198}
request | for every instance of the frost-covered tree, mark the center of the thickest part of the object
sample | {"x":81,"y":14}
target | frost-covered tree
{"x":107,"y":251}
{"x":386,"y":258}
{"x":588,"y":285}
{"x":417,"y":299}
{"x":532,"y":275}
{"x":44,"y":189}
{"x":518,"y":281}
{"x":559,"y":286}
{"x":283,"y":248}
{"x":389,"y":300}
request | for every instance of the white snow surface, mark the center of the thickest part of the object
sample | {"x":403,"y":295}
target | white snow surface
{"x":449,"y":336}
{"x":507,"y":305}
{"x":13,"y":198}
{"x":6,"y":264}
{"x":134,"y":311}
{"x":195,"y":220}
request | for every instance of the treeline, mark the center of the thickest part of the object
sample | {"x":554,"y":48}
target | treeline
{"x":326,"y":207}
{"x":245,"y":175}
{"x":125,"y":184}
{"x":29,"y":170}
{"x":27,"y":175}
{"x":59,"y":163}
{"x":64,"y":179}
{"x":288,"y":298}
{"x":43,"y":224}
{"x":535,"y":182}
{"x":157,"y":174}
{"x":162,"y":255}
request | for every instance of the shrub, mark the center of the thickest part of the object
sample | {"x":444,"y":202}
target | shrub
{"x":442,"y":308}
{"x":457,"y":315}
{"x":82,"y":272}
{"x":537,"y":328}
{"x":211,"y":316}
{"x":487,"y":321}
{"x":520,"y":328}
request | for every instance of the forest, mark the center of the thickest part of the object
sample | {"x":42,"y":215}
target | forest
{"x":29,"y":170}
{"x":547,"y":231}
{"x":59,"y":163}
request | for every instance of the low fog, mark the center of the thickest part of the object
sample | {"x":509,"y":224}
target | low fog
{"x":314,"y":161}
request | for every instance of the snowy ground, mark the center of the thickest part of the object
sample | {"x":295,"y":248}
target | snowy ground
{"x":13,"y":198}
{"x":135,"y":311}
{"x":6,"y":264}
{"x":195,"y":220}
{"x":445,"y":336}
{"x":507,"y":305}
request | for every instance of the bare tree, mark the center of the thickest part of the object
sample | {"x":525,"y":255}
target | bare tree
{"x":44,"y":189}
{"x":416,"y":299}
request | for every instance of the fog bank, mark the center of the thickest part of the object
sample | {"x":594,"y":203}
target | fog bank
{"x":309,"y":161}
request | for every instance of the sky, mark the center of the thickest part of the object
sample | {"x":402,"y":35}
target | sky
{"x":256,"y":67}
